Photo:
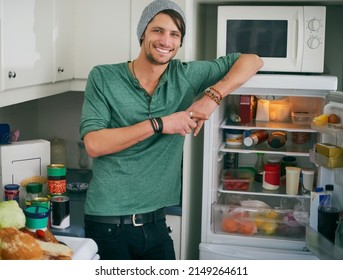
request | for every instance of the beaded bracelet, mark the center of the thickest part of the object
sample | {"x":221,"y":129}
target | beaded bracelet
{"x":217,"y":92}
{"x":212,"y":95}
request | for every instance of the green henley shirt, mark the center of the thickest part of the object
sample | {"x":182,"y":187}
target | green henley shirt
{"x":146,"y":176}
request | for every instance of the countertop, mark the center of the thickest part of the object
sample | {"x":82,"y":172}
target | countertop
{"x":77,"y":201}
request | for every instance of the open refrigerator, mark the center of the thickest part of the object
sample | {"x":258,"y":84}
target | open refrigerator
{"x":250,"y":222}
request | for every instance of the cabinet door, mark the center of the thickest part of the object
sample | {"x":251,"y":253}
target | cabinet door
{"x":174,"y":225}
{"x":102,"y":34}
{"x":63,"y":40}
{"x":26,"y":43}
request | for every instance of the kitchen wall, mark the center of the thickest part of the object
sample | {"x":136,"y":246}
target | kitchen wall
{"x":59,"y":115}
{"x":55,"y":116}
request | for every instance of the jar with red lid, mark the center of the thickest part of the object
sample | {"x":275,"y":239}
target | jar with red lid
{"x":271,"y":177}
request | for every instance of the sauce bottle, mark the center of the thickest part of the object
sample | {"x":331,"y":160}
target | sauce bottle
{"x":255,"y":138}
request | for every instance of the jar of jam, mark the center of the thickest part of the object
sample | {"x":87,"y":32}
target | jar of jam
{"x":12,"y":192}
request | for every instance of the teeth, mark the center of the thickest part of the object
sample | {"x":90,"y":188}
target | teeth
{"x":160,"y":50}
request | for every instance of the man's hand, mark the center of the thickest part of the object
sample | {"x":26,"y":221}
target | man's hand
{"x":183,"y":123}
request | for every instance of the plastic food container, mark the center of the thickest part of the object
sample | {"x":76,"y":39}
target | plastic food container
{"x":237,"y":179}
{"x":280,"y":111}
{"x":234,"y":137}
{"x":302,"y":118}
{"x":36,"y":217}
{"x":263,"y":222}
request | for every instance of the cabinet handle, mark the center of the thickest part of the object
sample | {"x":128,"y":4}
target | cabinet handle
{"x":60,"y":69}
{"x":12,"y":74}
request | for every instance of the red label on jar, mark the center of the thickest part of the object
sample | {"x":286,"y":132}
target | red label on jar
{"x":57,"y":186}
{"x":272,"y":174}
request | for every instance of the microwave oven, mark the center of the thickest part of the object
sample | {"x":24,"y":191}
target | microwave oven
{"x":287,"y":38}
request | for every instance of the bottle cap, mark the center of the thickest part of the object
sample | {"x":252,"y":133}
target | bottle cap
{"x":319,"y":189}
{"x":250,"y":141}
{"x":11,"y":187}
{"x":329,"y":187}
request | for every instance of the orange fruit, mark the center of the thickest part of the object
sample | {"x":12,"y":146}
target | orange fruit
{"x":229,"y":225}
{"x":247,"y":228}
{"x":333,"y":118}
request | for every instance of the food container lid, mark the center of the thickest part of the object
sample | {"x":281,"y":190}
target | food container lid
{"x":36,"y":217}
{"x":235,"y":131}
{"x":57,"y":170}
{"x":36,"y":212}
{"x":307,"y":171}
{"x":11,"y":187}
{"x":272,"y":167}
{"x":34,"y":187}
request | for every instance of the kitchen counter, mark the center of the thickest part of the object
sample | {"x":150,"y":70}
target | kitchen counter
{"x":77,"y":201}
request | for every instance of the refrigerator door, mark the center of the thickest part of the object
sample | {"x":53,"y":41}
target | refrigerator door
{"x":231,"y":252}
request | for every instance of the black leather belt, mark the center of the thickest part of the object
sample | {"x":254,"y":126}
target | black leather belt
{"x":135,"y":219}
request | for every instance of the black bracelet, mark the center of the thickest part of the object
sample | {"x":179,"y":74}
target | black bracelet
{"x":157,"y":124}
{"x":153,"y":124}
{"x":160,"y":124}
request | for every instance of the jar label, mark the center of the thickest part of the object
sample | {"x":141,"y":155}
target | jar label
{"x":57,"y":186}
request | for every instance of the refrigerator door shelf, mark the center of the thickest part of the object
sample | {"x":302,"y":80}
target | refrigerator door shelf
{"x":231,"y":252}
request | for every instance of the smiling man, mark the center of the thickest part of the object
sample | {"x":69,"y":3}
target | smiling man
{"x":134,"y":121}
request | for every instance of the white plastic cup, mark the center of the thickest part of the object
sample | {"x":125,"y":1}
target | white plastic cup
{"x":307,"y":179}
{"x":292,"y":180}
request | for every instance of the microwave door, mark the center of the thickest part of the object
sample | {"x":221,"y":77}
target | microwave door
{"x":293,"y":44}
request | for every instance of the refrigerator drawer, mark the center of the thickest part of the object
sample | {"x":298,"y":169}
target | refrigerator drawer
{"x":250,"y":217}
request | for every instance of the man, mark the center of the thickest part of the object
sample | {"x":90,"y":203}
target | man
{"x":134,"y":121}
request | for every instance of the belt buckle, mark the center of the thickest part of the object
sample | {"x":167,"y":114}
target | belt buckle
{"x":134,"y":221}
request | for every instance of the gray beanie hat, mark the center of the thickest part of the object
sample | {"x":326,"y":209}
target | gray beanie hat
{"x":152,"y":10}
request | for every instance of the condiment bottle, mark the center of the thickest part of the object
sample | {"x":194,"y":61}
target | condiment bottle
{"x":255,"y":138}
{"x":271,"y":177}
{"x":277,"y":139}
{"x":259,"y":165}
{"x":33,"y":190}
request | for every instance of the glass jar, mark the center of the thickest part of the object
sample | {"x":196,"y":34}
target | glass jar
{"x":12,"y":192}
{"x":277,"y":139}
{"x":256,"y":138}
{"x":259,"y":165}
{"x":33,"y":190}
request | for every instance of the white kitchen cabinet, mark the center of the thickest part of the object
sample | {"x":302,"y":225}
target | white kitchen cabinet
{"x":102,"y":34}
{"x":174,"y":225}
{"x":63,"y":40}
{"x":26,"y":42}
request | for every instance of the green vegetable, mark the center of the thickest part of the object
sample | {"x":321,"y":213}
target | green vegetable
{"x":11,"y":215}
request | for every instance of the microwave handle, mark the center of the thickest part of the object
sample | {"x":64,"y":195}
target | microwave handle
{"x":296,"y":39}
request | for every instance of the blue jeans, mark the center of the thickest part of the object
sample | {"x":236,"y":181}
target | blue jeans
{"x":127,"y":242}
